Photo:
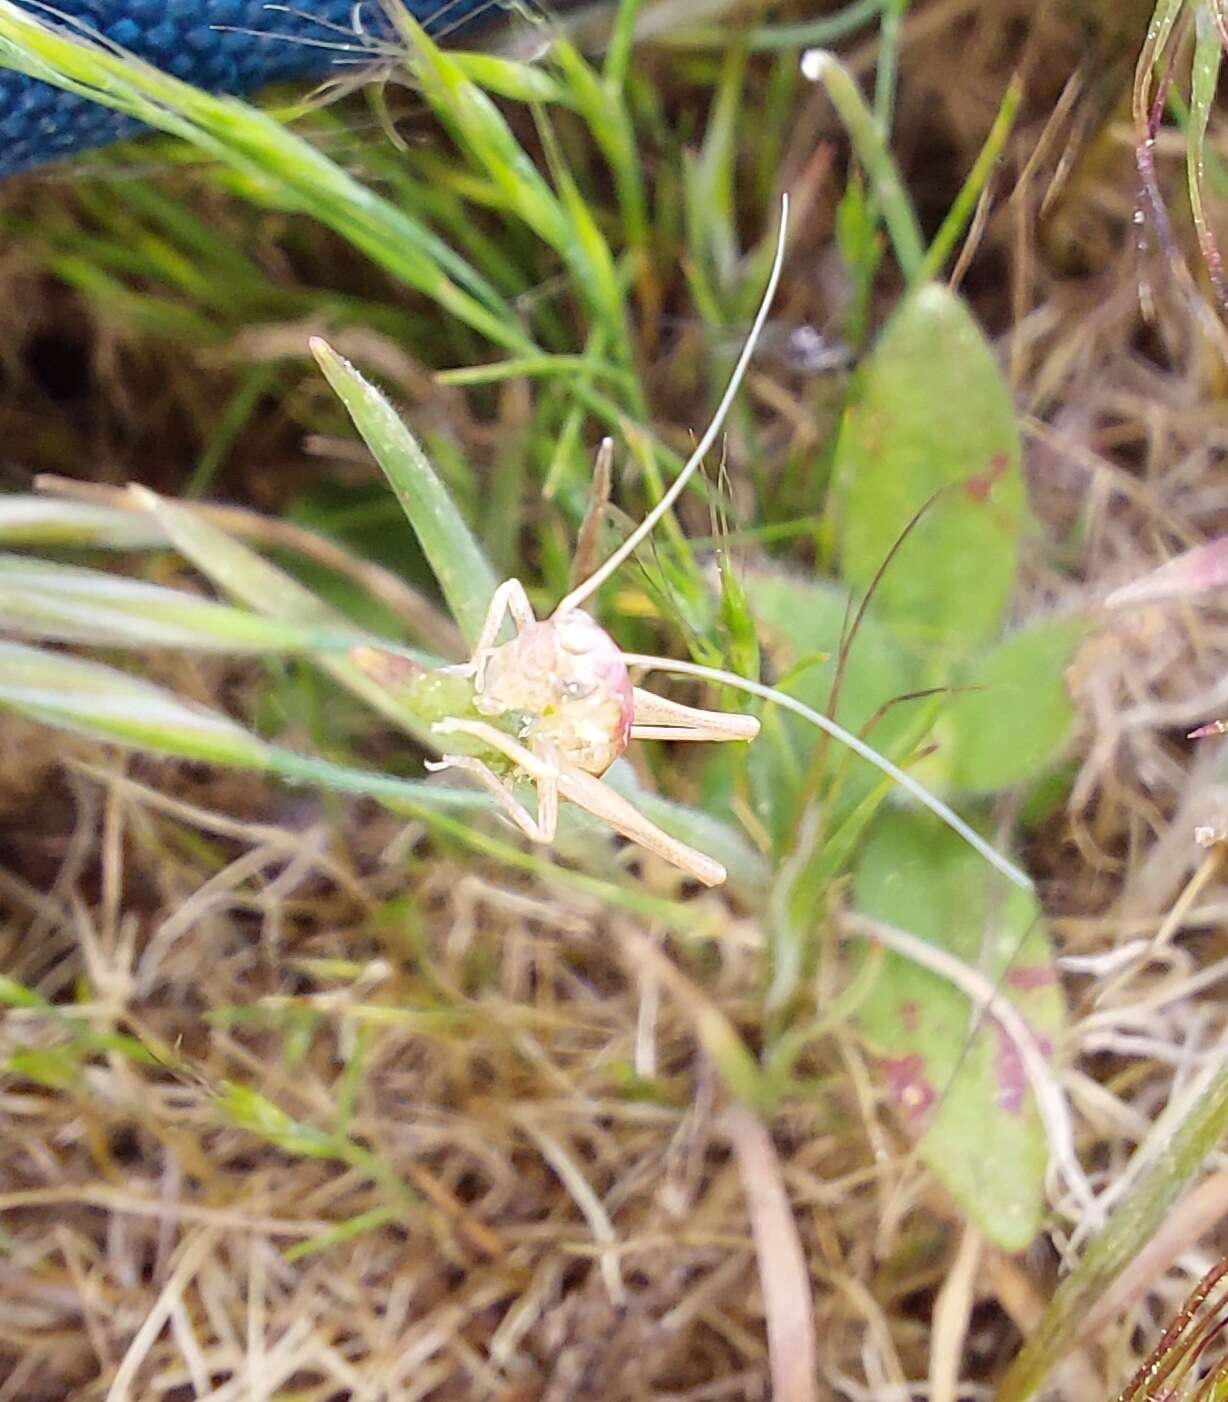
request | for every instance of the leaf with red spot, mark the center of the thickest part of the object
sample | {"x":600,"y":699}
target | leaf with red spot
{"x":931,"y":434}
{"x":958,"y":1082}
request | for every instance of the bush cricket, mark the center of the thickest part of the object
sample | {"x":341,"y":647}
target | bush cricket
{"x":565,"y":687}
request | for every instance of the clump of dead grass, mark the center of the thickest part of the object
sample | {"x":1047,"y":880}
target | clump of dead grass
{"x":545,"y":1195}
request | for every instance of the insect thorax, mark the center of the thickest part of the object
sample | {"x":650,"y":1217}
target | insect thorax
{"x":566,"y":677}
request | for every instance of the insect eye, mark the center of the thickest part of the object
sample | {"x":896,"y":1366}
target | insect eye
{"x":576,"y":691}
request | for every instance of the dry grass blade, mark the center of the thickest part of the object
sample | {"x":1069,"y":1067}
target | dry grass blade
{"x":1175,"y":1367}
{"x":953,"y":1318}
{"x":421,"y":1000}
{"x":788,"y":1304}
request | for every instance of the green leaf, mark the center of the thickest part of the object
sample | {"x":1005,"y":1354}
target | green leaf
{"x":932,"y":431}
{"x":464,"y":576}
{"x":1016,"y":718}
{"x":800,"y":623}
{"x":981,"y":1133}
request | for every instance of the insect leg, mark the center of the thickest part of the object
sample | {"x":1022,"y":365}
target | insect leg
{"x":509,"y":597}
{"x":558,"y":777}
{"x":543,"y":772}
{"x":657,"y":718}
{"x":536,"y":829}
{"x":610,"y":807}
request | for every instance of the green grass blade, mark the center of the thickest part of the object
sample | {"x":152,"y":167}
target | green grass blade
{"x":98,"y":701}
{"x":35,"y":520}
{"x":105,"y":704}
{"x":463,"y":572}
{"x":490,"y":145}
{"x":872,"y":151}
{"x":516,"y":81}
{"x":66,"y":603}
{"x":621,"y":42}
{"x":483,"y":134}
{"x":712,"y":198}
{"x":280,"y":168}
{"x":1204,"y":80}
{"x":1159,"y":31}
{"x":535,"y":367}
{"x":343,"y":1232}
{"x":237,"y":570}
{"x":601,"y":102}
{"x":964,"y":205}
{"x":1129,"y":1229}
{"x":889,"y":34}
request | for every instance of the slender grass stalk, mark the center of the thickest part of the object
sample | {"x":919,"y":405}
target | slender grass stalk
{"x":352,"y":1227}
{"x":771,"y":38}
{"x":887,"y":72}
{"x":1159,"y":31}
{"x":618,"y":50}
{"x":1152,"y":81}
{"x":1208,"y":59}
{"x":601,"y":99}
{"x":532,"y":368}
{"x":869,"y":143}
{"x":952,"y":228}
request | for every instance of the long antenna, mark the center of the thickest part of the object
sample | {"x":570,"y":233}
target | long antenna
{"x":845,"y":737}
{"x":594,"y":582}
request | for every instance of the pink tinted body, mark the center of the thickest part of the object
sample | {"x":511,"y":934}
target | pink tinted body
{"x":567,"y":678}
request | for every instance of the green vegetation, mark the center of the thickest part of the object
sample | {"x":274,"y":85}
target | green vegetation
{"x":870,"y":577}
